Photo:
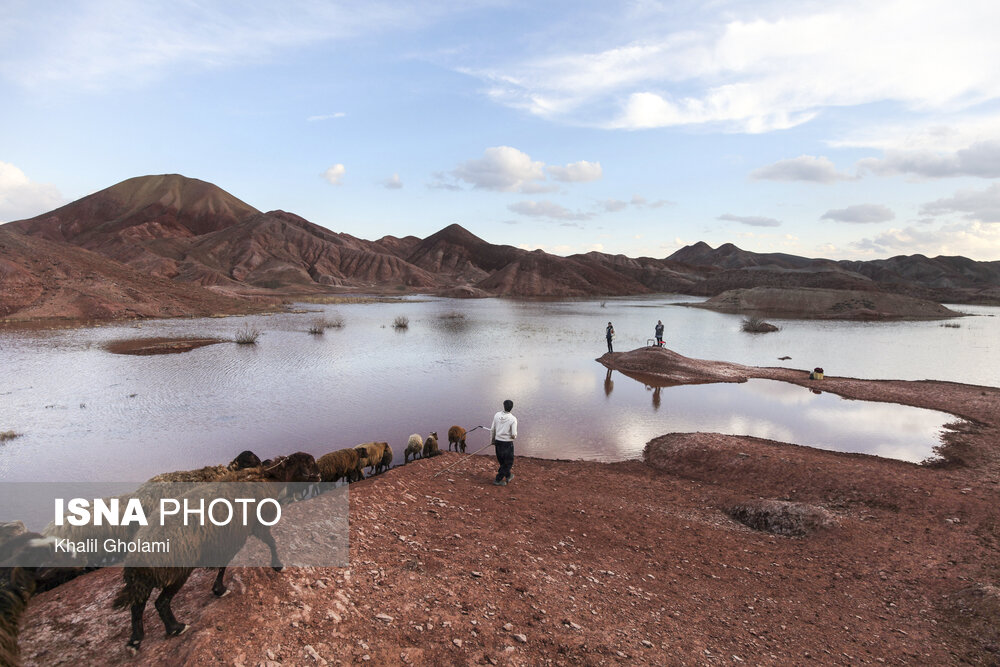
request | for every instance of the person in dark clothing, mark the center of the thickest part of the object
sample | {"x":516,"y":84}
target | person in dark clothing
{"x":609,"y":333}
{"x":502,"y":434}
{"x":659,"y":333}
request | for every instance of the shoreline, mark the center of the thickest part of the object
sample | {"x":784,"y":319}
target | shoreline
{"x":610,"y":563}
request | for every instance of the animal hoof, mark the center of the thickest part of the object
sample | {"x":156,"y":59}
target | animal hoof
{"x":224,"y":593}
{"x":132,"y":648}
{"x":277,"y":568}
{"x":177,"y":632}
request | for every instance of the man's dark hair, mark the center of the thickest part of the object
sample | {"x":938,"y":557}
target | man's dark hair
{"x":508,"y":405}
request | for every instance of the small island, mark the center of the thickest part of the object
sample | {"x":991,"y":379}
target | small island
{"x":831,"y":304}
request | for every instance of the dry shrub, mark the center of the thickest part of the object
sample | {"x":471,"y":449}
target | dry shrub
{"x":247,"y":335}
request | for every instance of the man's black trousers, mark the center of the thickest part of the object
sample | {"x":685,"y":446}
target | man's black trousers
{"x":505,"y":457}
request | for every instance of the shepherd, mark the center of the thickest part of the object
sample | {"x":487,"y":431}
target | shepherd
{"x":502,"y":434}
{"x":609,"y":333}
{"x":659,"y":333}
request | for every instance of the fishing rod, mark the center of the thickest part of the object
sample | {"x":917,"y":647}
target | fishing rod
{"x":463,"y":458}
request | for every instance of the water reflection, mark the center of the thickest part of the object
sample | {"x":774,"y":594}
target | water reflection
{"x":365,"y":381}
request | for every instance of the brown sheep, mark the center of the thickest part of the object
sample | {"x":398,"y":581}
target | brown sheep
{"x":192,"y":543}
{"x":341,"y":464}
{"x":371,"y":454}
{"x":386,"y":459}
{"x":456,"y":436}
{"x":431,"y":445}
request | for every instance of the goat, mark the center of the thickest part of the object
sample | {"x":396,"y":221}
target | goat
{"x":456,"y":436}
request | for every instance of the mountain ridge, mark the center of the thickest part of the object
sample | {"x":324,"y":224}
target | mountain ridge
{"x":191,"y":232}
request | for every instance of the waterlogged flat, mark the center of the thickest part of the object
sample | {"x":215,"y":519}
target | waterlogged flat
{"x":88,"y":414}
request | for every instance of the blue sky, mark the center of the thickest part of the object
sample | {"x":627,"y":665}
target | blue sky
{"x":833,"y":129}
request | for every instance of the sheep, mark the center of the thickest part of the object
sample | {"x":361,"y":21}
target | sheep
{"x":246,"y":459}
{"x":190,"y":544}
{"x":371,"y":454}
{"x":414,"y":448}
{"x":149,"y":495}
{"x":431,"y":445}
{"x":343,"y":463}
{"x":456,"y":436}
{"x":36,"y":561}
{"x":386,"y":461}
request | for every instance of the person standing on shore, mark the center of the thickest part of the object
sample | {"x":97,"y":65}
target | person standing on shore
{"x":659,"y":333}
{"x":609,"y":333}
{"x":502,"y":434}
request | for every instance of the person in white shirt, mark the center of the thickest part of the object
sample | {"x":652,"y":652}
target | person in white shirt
{"x":502,"y":434}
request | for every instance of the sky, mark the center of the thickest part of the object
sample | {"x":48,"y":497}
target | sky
{"x":838,"y":129}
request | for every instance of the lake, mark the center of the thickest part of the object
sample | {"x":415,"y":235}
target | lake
{"x":87,"y":414}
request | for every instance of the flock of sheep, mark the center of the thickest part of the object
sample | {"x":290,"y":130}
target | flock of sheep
{"x":18,"y":583}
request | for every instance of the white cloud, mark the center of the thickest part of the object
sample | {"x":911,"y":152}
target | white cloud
{"x":755,"y":68}
{"x":99,"y":44}
{"x":507,"y":169}
{"x":613,"y":205}
{"x":752,"y":220}
{"x":502,"y":168}
{"x":22,"y":198}
{"x":980,"y":205}
{"x":546,"y":209}
{"x":980,"y":159}
{"x":802,"y":168}
{"x":860,"y":213}
{"x":393,"y":182}
{"x":577,"y":172}
{"x":329,"y":116}
{"x":335,"y":174}
{"x":974,"y":240}
{"x":641,"y":202}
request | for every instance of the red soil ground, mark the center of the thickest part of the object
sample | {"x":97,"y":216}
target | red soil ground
{"x":627,"y":563}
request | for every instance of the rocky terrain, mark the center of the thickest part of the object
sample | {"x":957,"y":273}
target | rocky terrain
{"x":195,"y":234}
{"x":46,"y":280}
{"x":813,"y":303}
{"x":851,"y":559}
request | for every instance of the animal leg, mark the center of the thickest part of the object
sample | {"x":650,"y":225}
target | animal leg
{"x":172,"y":625}
{"x":263,"y":533}
{"x":138,"y":632}
{"x":218,"y":587}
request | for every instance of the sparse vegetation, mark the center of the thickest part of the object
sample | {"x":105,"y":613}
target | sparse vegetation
{"x":335,"y":322}
{"x":8,"y":435}
{"x":247,"y":335}
{"x":452,"y":315}
{"x":755,"y":324}
{"x":951,"y":325}
{"x":604,"y":304}
{"x":401,"y":322}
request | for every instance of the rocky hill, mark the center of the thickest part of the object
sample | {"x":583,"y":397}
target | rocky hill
{"x":194,"y":233}
{"x":826,"y":304}
{"x":47,"y":280}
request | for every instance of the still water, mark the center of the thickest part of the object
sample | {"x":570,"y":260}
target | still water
{"x":86,"y":414}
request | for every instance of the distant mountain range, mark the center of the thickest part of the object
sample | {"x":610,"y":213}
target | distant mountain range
{"x":205,"y":242}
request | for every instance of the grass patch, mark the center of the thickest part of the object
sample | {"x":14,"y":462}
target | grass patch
{"x":452,"y":315}
{"x":401,"y":322}
{"x":755,"y":324}
{"x":951,"y":325}
{"x":338,"y":298}
{"x":8,"y":435}
{"x":247,"y":335}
